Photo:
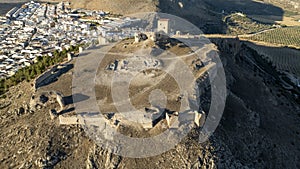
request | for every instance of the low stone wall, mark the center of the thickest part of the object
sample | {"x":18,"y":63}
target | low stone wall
{"x":199,"y":120}
{"x":71,"y":120}
{"x":51,"y":75}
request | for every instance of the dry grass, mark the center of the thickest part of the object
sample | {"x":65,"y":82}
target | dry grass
{"x":139,"y":90}
{"x":118,"y":7}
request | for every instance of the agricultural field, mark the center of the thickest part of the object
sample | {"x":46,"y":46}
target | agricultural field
{"x":288,"y":36}
{"x":283,"y":58}
{"x":271,"y":19}
{"x":239,"y":24}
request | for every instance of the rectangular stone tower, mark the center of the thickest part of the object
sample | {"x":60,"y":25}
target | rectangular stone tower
{"x":163,"y":25}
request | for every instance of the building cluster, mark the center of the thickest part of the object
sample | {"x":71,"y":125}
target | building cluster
{"x":38,"y":29}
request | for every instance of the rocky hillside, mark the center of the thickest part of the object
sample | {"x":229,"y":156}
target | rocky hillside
{"x":115,"y":6}
{"x":205,"y":14}
{"x":293,"y":5}
{"x":131,"y":6}
{"x":250,"y":135}
{"x":259,"y":129}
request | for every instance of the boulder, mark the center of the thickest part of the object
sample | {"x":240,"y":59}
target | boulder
{"x":43,"y":99}
{"x":60,"y":101}
{"x":168,"y":120}
{"x":21,"y":111}
{"x":32,"y":102}
{"x":38,"y":107}
{"x":140,"y":37}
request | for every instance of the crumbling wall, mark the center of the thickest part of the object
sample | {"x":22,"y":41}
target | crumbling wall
{"x":70,"y":120}
{"x":42,"y":99}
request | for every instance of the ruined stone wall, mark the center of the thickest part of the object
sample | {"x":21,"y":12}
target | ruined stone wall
{"x":70,"y":120}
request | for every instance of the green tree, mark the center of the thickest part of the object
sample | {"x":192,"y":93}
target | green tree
{"x":39,"y":58}
{"x":32,"y":73}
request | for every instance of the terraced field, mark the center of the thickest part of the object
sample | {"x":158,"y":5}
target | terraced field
{"x":288,"y":36}
{"x":239,"y":24}
{"x":284,"y":59}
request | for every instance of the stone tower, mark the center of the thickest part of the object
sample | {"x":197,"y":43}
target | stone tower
{"x":163,"y":25}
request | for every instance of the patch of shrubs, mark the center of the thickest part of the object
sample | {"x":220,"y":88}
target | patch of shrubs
{"x":30,"y":72}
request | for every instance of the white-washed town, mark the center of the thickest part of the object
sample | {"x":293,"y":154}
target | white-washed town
{"x":38,"y":29}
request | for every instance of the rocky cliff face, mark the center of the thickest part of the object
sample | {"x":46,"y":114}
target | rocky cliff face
{"x":259,"y":125}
